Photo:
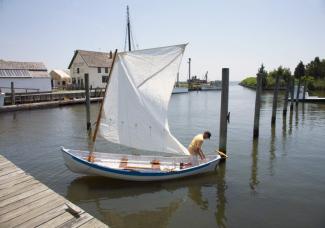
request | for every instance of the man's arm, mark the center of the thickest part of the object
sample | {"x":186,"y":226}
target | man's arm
{"x":201,"y":154}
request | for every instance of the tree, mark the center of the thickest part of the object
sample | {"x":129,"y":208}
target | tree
{"x":299,"y":73}
{"x":314,"y":68}
{"x":263,"y":72}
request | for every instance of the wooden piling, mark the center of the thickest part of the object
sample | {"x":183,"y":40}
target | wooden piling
{"x":13,"y":101}
{"x":224,"y":111}
{"x":298,"y":91}
{"x":88,"y":124}
{"x":286,"y":97}
{"x":305,"y":89}
{"x":292,"y":91}
{"x":257,"y":105}
{"x":275,"y":99}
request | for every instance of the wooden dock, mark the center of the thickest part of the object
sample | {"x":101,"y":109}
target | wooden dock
{"x":46,"y":104}
{"x":26,"y":202}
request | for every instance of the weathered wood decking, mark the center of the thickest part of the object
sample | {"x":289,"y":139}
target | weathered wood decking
{"x":25,"y":202}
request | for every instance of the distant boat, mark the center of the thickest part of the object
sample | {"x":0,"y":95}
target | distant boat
{"x":213,"y":85}
{"x":177,"y":90}
{"x":134,"y":114}
{"x":307,"y":97}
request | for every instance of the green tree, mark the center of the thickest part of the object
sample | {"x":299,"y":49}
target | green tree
{"x":314,"y":68}
{"x":263,"y":72}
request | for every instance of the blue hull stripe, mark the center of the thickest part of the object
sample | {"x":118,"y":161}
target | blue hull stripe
{"x":137,"y":173}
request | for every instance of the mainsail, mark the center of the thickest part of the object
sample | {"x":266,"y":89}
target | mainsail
{"x":136,"y":104}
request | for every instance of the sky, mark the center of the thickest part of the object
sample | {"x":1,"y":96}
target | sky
{"x":240,"y":35}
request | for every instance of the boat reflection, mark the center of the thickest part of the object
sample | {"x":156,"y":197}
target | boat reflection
{"x":150,"y":204}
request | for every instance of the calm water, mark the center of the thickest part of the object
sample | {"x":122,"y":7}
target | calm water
{"x":278,"y":181}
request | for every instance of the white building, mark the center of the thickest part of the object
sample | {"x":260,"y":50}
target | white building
{"x":26,"y":76}
{"x":60,"y":79}
{"x":96,"y":64}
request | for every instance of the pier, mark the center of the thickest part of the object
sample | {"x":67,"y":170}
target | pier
{"x":26,"y":202}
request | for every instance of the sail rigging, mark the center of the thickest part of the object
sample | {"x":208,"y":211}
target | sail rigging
{"x":136,"y":103}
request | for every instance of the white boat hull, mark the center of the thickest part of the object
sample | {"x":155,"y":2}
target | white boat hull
{"x":109,"y":165}
{"x":177,"y":90}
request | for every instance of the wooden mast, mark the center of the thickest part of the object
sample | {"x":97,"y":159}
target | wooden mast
{"x":90,"y":156}
{"x":128,"y":27}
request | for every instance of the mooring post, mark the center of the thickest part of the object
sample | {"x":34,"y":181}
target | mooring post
{"x":298,"y":90}
{"x":286,"y":97}
{"x":224,"y":111}
{"x":13,"y":93}
{"x":292,"y":91}
{"x":305,"y":89}
{"x":87,"y":101}
{"x":257,"y":105}
{"x":275,"y":99}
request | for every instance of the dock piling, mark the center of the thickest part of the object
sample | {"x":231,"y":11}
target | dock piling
{"x":286,"y":97}
{"x":224,"y":111}
{"x":87,"y":101}
{"x":257,"y":105}
{"x":275,"y":99}
{"x":13,"y":101}
{"x":292,"y":91}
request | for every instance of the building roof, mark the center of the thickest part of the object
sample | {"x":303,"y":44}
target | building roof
{"x":94,"y":58}
{"x":12,"y":65}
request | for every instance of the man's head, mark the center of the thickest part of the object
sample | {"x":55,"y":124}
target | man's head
{"x":206,"y":135}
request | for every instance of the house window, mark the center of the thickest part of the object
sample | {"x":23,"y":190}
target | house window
{"x":78,"y":71}
{"x":106,"y":70}
{"x":99,"y":70}
{"x":104,"y":79}
{"x":73,"y":80}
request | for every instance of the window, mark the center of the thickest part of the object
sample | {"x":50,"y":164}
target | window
{"x":99,"y":70}
{"x":73,"y":80}
{"x":104,"y":79}
{"x":78,"y":71}
{"x":106,"y":70}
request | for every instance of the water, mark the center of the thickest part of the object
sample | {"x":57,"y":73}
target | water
{"x":277,"y":181}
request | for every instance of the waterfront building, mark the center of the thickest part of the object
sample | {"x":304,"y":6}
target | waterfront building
{"x":96,"y":64}
{"x":60,"y":79}
{"x":26,"y":76}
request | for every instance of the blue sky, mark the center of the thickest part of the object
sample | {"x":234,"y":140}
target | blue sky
{"x":235,"y":34}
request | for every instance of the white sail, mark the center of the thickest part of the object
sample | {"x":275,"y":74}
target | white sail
{"x":137,"y":97}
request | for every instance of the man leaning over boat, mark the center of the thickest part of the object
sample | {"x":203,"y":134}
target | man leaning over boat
{"x":195,"y":147}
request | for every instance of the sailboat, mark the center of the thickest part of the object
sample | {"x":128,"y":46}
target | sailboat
{"x":134,"y":114}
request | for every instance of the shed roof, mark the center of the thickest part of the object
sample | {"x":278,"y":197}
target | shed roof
{"x":94,"y":58}
{"x":13,"y":65}
{"x":60,"y":75}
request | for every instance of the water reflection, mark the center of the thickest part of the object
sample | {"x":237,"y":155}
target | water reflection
{"x":220,"y":214}
{"x":254,"y":172}
{"x":272,"y":150}
{"x":296,"y":116}
{"x":290,"y":121}
{"x":134,"y":204}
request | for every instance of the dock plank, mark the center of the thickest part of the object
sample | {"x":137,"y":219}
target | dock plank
{"x":57,"y":221}
{"x":26,"y":202}
{"x":44,"y":218}
{"x":93,"y":223}
{"x":18,"y":180}
{"x":23,"y":202}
